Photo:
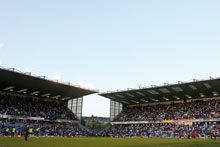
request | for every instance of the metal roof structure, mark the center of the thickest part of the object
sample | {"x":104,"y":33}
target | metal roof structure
{"x":177,"y":92}
{"x":25,"y":83}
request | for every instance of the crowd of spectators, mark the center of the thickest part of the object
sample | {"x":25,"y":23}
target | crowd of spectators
{"x":34,"y":107}
{"x":208,"y":109}
{"x":55,"y":130}
{"x":161,"y":131}
{"x":175,"y":111}
{"x":23,"y":107}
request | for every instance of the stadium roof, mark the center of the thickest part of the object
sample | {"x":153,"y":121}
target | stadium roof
{"x":25,"y":83}
{"x":176,"y":92}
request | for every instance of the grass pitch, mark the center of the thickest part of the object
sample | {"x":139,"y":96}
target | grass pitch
{"x":107,"y":142}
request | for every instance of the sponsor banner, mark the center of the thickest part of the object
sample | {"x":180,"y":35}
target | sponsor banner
{"x":36,"y":118}
{"x":166,"y":121}
{"x":50,"y":119}
{"x":64,"y":120}
{"x":130,"y":122}
{"x":3,"y":116}
{"x":12,"y":116}
{"x":19,"y":116}
{"x":177,"y":120}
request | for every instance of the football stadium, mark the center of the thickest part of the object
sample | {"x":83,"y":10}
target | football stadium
{"x":67,"y":68}
{"x":47,"y":113}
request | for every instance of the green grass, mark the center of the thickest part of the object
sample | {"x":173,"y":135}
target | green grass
{"x":107,"y":142}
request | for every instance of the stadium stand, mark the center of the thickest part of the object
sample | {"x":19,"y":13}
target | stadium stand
{"x":170,"y":111}
{"x":29,"y":107}
{"x":41,"y":106}
{"x":196,"y":110}
{"x":46,"y":128}
{"x":161,"y":130}
{"x":176,"y":111}
{"x":153,"y":123}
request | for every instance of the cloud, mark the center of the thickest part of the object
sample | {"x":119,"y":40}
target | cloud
{"x":84,"y":85}
{"x":79,"y":83}
{"x":89,"y":86}
{"x":29,"y":70}
{"x":57,"y":77}
{"x":1,"y":45}
{"x":1,"y":62}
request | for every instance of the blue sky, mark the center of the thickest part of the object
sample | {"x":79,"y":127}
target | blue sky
{"x":114,"y":44}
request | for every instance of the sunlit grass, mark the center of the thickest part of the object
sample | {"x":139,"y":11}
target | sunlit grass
{"x":106,"y":142}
